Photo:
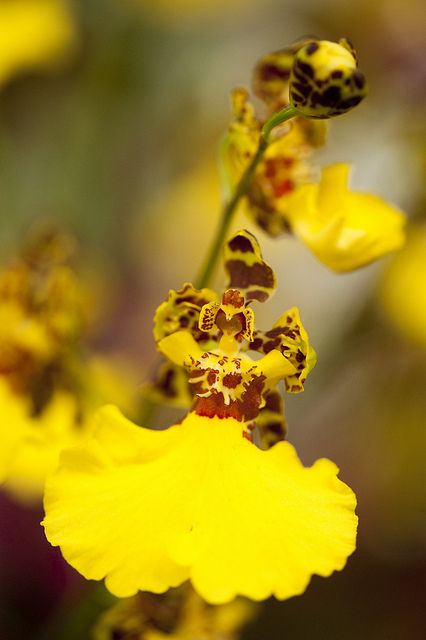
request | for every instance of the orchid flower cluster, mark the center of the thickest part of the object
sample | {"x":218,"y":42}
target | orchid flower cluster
{"x":310,"y":82}
{"x":218,"y":505}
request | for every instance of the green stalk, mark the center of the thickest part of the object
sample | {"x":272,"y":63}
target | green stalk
{"x":278,"y":118}
{"x":240,"y":191}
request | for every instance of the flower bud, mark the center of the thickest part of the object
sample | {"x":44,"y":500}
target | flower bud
{"x":325,"y":80}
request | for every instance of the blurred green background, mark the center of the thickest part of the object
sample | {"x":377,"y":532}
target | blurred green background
{"x":110,"y":116}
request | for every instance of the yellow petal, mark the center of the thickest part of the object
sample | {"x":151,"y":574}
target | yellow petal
{"x":289,"y":337}
{"x":344,"y":230}
{"x":150,"y":509}
{"x":275,"y":366}
{"x":178,"y":346}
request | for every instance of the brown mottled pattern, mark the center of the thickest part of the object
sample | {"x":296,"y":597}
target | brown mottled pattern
{"x":232,"y":380}
{"x":241,"y":243}
{"x":246,"y":269}
{"x":165,"y":382}
{"x":233,"y":298}
{"x":267,"y":218}
{"x":271,"y":76}
{"x":340,"y":91}
{"x":171,"y":385}
{"x":243,"y":276}
{"x":208,"y":316}
{"x":243,"y":409}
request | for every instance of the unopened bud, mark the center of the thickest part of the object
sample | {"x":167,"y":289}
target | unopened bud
{"x":325,"y":80}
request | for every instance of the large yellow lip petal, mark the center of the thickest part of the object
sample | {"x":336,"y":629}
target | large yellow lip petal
{"x":197,"y":501}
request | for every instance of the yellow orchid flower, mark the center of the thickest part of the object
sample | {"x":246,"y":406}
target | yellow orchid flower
{"x":148,"y":510}
{"x":343,"y":229}
{"x":31,"y":443}
{"x":34,"y":34}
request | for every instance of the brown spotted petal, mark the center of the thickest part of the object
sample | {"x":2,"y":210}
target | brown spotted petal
{"x":207,"y":318}
{"x":289,"y":336}
{"x":272,"y":74}
{"x":247,"y":271}
{"x":271,"y":77}
{"x":242,"y":139}
{"x":170,"y":386}
{"x":181,"y":310}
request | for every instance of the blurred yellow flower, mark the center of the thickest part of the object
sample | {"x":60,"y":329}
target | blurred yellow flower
{"x":403,"y":289}
{"x":344,"y":230}
{"x":48,"y":388}
{"x":34,"y":34}
{"x":178,"y":615}
{"x":31,"y":443}
{"x":147,"y":510}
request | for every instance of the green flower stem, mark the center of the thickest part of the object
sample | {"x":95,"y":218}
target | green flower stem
{"x":240,"y":191}
{"x":278,"y":118}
